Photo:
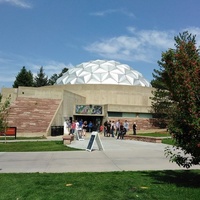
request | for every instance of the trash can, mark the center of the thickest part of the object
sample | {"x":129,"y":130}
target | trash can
{"x":57,"y":130}
{"x":53,"y":131}
{"x":60,"y":130}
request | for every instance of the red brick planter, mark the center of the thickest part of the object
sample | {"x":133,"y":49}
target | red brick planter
{"x":143,"y":138}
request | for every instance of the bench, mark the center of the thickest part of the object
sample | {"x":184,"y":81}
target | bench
{"x":67,"y":139}
{"x":10,"y":131}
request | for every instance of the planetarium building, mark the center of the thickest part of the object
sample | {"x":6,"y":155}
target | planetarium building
{"x":103,"y":72}
{"x":92,"y":91}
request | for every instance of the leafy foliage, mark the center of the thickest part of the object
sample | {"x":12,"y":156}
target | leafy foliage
{"x":161,"y":103}
{"x":24,"y":78}
{"x":177,"y":87}
{"x":4,"y":107}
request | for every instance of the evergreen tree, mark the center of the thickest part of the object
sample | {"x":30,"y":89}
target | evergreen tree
{"x":178,"y":84}
{"x":64,"y":70}
{"x":24,"y":78}
{"x":41,"y":79}
{"x":54,"y":77}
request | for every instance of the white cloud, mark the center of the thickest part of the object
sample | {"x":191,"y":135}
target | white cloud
{"x":49,"y":67}
{"x":18,"y":3}
{"x":138,"y":45}
{"x":194,"y":31}
{"x":112,"y":11}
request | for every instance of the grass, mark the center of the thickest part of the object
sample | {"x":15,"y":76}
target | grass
{"x":24,"y":146}
{"x":169,"y":141}
{"x":148,"y":185}
{"x":21,"y":138}
{"x":34,"y":146}
{"x":156,"y":134}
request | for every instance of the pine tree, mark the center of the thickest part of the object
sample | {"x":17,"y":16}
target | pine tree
{"x":54,"y":77}
{"x":24,"y":78}
{"x":64,"y":70}
{"x":41,"y":79}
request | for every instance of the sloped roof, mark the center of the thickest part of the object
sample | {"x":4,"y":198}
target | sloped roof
{"x":103,"y":72}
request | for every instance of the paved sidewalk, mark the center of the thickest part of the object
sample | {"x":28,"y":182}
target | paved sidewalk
{"x":118,"y":155}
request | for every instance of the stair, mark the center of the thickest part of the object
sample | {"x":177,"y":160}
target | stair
{"x":32,"y":115}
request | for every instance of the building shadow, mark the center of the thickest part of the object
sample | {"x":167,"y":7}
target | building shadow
{"x":181,"y":178}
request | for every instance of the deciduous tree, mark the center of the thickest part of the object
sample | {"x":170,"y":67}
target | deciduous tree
{"x":4,"y":108}
{"x":179,"y":86}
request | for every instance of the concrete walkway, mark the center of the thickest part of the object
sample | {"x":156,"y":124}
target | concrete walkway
{"x":118,"y":155}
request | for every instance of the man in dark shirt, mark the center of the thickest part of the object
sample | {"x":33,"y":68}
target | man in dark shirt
{"x":134,"y":128}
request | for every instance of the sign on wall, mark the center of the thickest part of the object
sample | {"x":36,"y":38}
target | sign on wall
{"x":89,"y":109}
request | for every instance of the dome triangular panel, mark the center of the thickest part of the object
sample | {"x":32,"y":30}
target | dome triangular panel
{"x":103,"y":72}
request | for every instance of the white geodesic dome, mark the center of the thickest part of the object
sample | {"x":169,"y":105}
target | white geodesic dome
{"x":103,"y":72}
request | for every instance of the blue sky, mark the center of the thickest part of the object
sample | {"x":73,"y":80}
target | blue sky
{"x":64,"y":33}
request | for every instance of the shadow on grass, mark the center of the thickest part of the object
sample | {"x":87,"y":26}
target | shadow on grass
{"x":181,"y":178}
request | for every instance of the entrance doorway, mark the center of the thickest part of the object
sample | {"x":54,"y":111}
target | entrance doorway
{"x":96,"y":120}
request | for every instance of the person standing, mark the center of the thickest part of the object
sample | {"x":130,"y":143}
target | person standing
{"x":126,"y":125}
{"x":73,"y":127}
{"x":105,"y":128}
{"x":77,"y":131}
{"x":117,"y":125}
{"x":84,"y":128}
{"x":90,"y":126}
{"x":80,"y":123}
{"x":112,"y":128}
{"x":134,"y":128}
{"x":121,"y":132}
{"x":76,"y":125}
{"x":69,"y":124}
{"x":108,"y":128}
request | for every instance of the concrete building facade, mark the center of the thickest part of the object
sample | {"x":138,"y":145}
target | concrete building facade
{"x":95,"y":102}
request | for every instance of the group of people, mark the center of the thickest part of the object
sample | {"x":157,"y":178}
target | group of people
{"x":80,"y":126}
{"x":118,"y":129}
{"x":110,"y":128}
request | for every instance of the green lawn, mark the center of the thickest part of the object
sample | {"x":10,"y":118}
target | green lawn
{"x":169,"y":140}
{"x":156,"y":134}
{"x":24,"y":146}
{"x":144,"y":185}
{"x":21,"y":138}
{"x":34,"y":146}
